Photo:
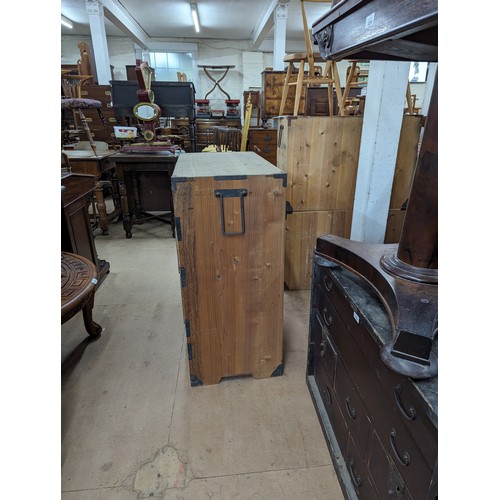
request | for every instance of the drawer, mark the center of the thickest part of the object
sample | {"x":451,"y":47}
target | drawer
{"x":338,"y":298}
{"x":99,"y":92}
{"x":403,"y":397}
{"x":85,"y":167}
{"x":403,"y":451}
{"x":266,"y":152}
{"x":359,"y":370}
{"x":262,"y":138}
{"x":352,"y":409}
{"x":383,"y":473}
{"x":325,"y":361}
{"x":366,"y":368}
{"x":358,"y":472}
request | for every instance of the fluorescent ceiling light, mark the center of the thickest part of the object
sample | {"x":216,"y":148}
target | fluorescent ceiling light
{"x":66,"y":22}
{"x":194,"y":13}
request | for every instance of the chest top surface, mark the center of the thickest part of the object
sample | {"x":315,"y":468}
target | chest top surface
{"x":192,"y":165}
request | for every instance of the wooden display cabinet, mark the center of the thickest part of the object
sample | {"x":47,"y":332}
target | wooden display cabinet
{"x":230,"y":217}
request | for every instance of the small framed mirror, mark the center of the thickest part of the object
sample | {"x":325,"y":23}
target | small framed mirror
{"x":146,"y":111}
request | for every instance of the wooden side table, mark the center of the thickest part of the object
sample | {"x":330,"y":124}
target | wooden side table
{"x":78,"y":283}
{"x":144,"y":186}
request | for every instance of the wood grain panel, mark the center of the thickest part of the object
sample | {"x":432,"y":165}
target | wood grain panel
{"x":403,"y":174}
{"x":395,"y":220}
{"x":406,"y":160}
{"x":232,"y":289}
{"x":301,"y":231}
{"x":321,"y":158}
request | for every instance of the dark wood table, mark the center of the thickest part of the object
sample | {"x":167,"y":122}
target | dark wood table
{"x":102,"y":168}
{"x":144,"y":187}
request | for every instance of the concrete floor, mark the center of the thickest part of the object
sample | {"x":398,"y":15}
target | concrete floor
{"x":133,"y":427}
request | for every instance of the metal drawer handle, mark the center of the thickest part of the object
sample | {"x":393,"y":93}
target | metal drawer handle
{"x":328,"y":320}
{"x":322,"y":351}
{"x":411,"y":414}
{"x":328,"y":283}
{"x":231,"y":193}
{"x":406,"y":456}
{"x":356,"y":478}
{"x":351,"y":411}
{"x":327,"y":391}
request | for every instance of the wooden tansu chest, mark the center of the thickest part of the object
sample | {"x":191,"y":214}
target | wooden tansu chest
{"x":230,"y":226}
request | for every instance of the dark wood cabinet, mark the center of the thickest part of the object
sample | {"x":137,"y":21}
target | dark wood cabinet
{"x":317,"y":101}
{"x":205,"y":130}
{"x":263,"y":142}
{"x":76,"y":232}
{"x":100,"y":131}
{"x":381,"y":427}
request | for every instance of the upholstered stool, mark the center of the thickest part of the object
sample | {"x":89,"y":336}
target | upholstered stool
{"x":78,"y":281}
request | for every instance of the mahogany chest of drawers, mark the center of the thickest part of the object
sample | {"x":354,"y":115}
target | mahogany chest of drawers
{"x":272,"y":90}
{"x":380,"y":427}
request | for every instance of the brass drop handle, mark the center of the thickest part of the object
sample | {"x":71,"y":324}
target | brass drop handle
{"x":409,"y":414}
{"x":351,"y":411}
{"x":322,"y":350}
{"x":328,"y":319}
{"x":328,"y":283}
{"x":356,"y":478}
{"x":327,"y":391}
{"x":406,"y":456}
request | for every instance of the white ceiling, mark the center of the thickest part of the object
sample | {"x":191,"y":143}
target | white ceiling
{"x":219,"y":19}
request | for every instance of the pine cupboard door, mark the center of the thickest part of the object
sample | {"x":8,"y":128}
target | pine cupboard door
{"x":230,"y":240}
{"x":322,"y":161}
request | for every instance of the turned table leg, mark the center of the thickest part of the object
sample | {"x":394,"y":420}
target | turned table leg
{"x":101,"y":208}
{"x":122,"y":189}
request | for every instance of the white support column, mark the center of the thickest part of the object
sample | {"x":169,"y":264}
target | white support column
{"x":280,"y":16}
{"x":382,"y":120}
{"x":99,"y":41}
